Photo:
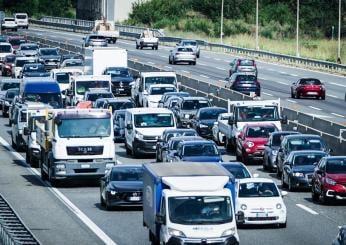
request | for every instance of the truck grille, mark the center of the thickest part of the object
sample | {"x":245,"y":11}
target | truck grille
{"x":150,"y":137}
{"x":84,"y":150}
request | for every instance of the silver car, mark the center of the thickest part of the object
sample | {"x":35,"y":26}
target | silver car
{"x":95,"y":40}
{"x":28,"y":49}
{"x":182,"y":54}
{"x":190,"y":44}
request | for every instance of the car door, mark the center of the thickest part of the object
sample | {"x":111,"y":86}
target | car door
{"x":320,"y":174}
{"x":287,"y":168}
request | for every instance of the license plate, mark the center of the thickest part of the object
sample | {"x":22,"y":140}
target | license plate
{"x":312,"y":93}
{"x":85,"y":166}
{"x":134,"y":199}
{"x":120,"y":90}
{"x":261,"y":215}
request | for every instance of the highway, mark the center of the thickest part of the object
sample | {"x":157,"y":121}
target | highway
{"x":71,"y":214}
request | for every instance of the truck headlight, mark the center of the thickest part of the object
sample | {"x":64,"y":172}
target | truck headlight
{"x":250,"y":144}
{"x":60,"y":166}
{"x":187,"y":116}
{"x":174,"y":232}
{"x":243,"y":207}
{"x":229,"y":232}
{"x":297,"y":174}
{"x":139,"y":135}
{"x":203,"y":126}
{"x":113,"y":192}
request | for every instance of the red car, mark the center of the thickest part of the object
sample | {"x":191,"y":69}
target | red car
{"x":308,"y":87}
{"x":251,"y":141}
{"x":329,"y":179}
{"x":6,"y":66}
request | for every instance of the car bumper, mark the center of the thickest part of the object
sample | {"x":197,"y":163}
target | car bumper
{"x":145,"y":147}
{"x":337,"y":195}
{"x":146,"y":44}
{"x":312,"y":93}
{"x":231,"y":240}
{"x":186,"y":59}
{"x":125,"y":199}
{"x":256,"y":156}
{"x":302,"y":182}
{"x":121,"y":89}
{"x":262,"y":219}
{"x":205,"y":132}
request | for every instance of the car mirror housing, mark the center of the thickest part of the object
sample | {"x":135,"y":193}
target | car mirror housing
{"x":284,"y":193}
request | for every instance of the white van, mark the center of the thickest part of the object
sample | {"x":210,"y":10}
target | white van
{"x":143,"y":126}
{"x":22,"y":20}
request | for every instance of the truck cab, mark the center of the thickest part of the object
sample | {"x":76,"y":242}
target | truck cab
{"x":141,"y":87}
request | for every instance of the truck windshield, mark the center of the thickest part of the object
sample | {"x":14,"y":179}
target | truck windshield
{"x":84,"y":128}
{"x":154,"y":120}
{"x":63,"y":77}
{"x":33,"y":119}
{"x":83,"y":86}
{"x":253,"y":114}
{"x":52,"y":99}
{"x":202,"y":210}
{"x":159,"y":80}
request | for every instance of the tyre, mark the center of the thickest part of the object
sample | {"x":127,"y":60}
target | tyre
{"x":194,"y":63}
{"x":298,"y":95}
{"x":197,"y":56}
{"x":323,"y":97}
{"x":27,"y":157}
{"x":292,"y":94}
{"x":157,"y":47}
{"x":153,"y":47}
{"x":290,"y":186}
{"x":128,"y":151}
{"x":283,"y":184}
{"x":135,"y":153}
{"x":43,"y":174}
{"x":244,"y":158}
{"x":283,"y":225}
{"x":314,"y":195}
{"x":141,"y":46}
{"x":324,"y":199}
{"x":102,"y":201}
{"x":173,"y":61}
{"x":13,"y":144}
{"x":169,"y":60}
{"x":278,"y":172}
{"x":137,"y":47}
{"x":228,"y":145}
{"x":53,"y":182}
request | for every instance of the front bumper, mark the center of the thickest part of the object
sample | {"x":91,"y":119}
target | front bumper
{"x":337,"y":195}
{"x":301,"y":182}
{"x":231,"y":240}
{"x":132,"y":198}
{"x":206,"y":132}
{"x":120,"y":88}
{"x":256,"y":218}
{"x":145,"y":146}
{"x":255,"y":156}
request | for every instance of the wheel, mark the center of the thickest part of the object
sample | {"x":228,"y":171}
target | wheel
{"x":169,"y":60}
{"x":153,"y":47}
{"x":228,"y":145}
{"x":108,"y":207}
{"x":292,"y":94}
{"x":14,"y":145}
{"x":137,"y":47}
{"x":323,"y":97}
{"x":324,"y":199}
{"x":141,"y":46}
{"x":194,"y":63}
{"x":314,"y":195}
{"x":297,"y":95}
{"x":283,"y":184}
{"x":278,"y":173}
{"x":27,"y":157}
{"x":135,"y":153}
{"x":43,"y":174}
{"x":173,"y":61}
{"x":197,"y":56}
{"x":128,"y":151}
{"x":265,"y":164}
{"x":157,"y":47}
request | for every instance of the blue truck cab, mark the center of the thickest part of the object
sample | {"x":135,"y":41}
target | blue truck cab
{"x":189,"y":204}
{"x":41,"y":89}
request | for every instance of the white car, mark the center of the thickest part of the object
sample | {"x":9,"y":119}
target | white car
{"x":218,"y":136}
{"x":182,"y":54}
{"x":5,"y":49}
{"x":260,"y":200}
{"x":22,"y":20}
{"x":9,"y":23}
{"x":155,"y":93}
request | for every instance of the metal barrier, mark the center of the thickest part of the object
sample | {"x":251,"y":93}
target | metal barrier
{"x":86,"y":26}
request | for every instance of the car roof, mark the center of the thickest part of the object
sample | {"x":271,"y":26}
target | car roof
{"x":307,"y":152}
{"x":10,"y":80}
{"x":194,"y":98}
{"x":186,"y":138}
{"x":234,"y":163}
{"x":158,"y":74}
{"x":302,"y":136}
{"x":166,"y":131}
{"x":160,"y":85}
{"x":209,"y":108}
{"x":256,"y":180}
{"x":201,"y":141}
{"x":133,"y":165}
{"x":286,"y":132}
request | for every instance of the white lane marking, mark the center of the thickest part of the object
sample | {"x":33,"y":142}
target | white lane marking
{"x":338,"y":84}
{"x":292,"y":101}
{"x":294,"y":75}
{"x":282,"y":83}
{"x":307,"y":209}
{"x":162,"y":56}
{"x":147,"y":53}
{"x":208,"y":57}
{"x":333,"y":96}
{"x":202,"y":64}
{"x":220,"y":68}
{"x":168,"y":67}
{"x":282,"y":72}
{"x":185,"y":71}
{"x":151,"y":63}
{"x":315,"y":108}
{"x":85,"y":219}
{"x":319,"y":115}
{"x":336,"y":114}
{"x":204,"y":76}
{"x":217,"y":59}
{"x":267,"y":94}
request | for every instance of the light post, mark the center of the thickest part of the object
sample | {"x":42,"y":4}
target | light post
{"x":257,"y":46}
{"x":332,"y":33}
{"x":339,"y":32}
{"x":297,"y":35}
{"x":221,"y":27}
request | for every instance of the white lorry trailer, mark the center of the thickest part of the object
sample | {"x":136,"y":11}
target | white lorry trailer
{"x":75,"y":144}
{"x":97,"y":59}
{"x":243,"y":112}
{"x":189,"y":203}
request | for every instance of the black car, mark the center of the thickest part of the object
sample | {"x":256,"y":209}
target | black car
{"x":298,"y":142}
{"x":50,"y":57}
{"x":245,"y":83}
{"x":166,"y":135}
{"x":204,"y":120}
{"x":122,"y":186}
{"x":299,"y":167}
{"x":121,"y":79}
{"x":187,"y":107}
{"x":168,"y":151}
{"x":118,"y":104}
{"x":167,"y":95}
{"x":272,"y":147}
{"x":34,"y":70}
{"x":7,"y":100}
{"x":237,"y":169}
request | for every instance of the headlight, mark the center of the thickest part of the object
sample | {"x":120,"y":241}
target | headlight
{"x":243,"y":207}
{"x":113,"y":192}
{"x":229,"y":232}
{"x":297,"y":174}
{"x":139,"y":135}
{"x":7,"y":103}
{"x":174,"y":232}
{"x":203,"y":126}
{"x":278,"y":206}
{"x":60,"y":166}
{"x":274,"y":152}
{"x":330,"y":181}
{"x":187,"y":116}
{"x":250,"y":144}
{"x":109,"y":165}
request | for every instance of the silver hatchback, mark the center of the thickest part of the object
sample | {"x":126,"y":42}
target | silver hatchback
{"x":182,"y":54}
{"x":95,"y":40}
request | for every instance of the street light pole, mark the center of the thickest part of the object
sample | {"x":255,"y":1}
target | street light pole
{"x":297,"y":35}
{"x":221,"y":27}
{"x":257,"y":47}
{"x":339,"y":31}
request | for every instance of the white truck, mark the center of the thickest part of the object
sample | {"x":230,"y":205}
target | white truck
{"x":189,"y":203}
{"x":75,"y":143}
{"x":81,"y":84}
{"x":141,"y":86}
{"x":143,"y":127}
{"x":249,"y":111}
{"x":107,"y":29}
{"x":97,"y":59}
{"x":147,"y":39}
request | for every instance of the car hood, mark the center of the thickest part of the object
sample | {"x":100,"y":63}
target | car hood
{"x":126,"y":185}
{"x":50,"y":57}
{"x":29,"y":52}
{"x":122,"y":79}
{"x":208,"y":122}
{"x":341,"y":178}
{"x":304,"y":168}
{"x":154,"y":98}
{"x":202,"y":159}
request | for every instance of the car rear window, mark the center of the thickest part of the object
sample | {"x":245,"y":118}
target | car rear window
{"x":310,"y":82}
{"x":185,"y":50}
{"x":305,"y":144}
{"x":21,"y":16}
{"x":246,"y":78}
{"x":246,"y":63}
{"x":307,"y":159}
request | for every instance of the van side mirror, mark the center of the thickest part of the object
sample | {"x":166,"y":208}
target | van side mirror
{"x":230,"y":120}
{"x":240,"y":217}
{"x":160,"y":219}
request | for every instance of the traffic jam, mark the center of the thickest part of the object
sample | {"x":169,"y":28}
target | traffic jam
{"x":68,"y":113}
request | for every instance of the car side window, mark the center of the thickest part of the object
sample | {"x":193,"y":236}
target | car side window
{"x":322,"y":164}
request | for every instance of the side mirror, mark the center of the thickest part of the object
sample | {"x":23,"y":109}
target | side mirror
{"x":240,"y":217}
{"x":63,"y":92}
{"x":284,"y":119}
{"x":216,"y":123}
{"x":284,"y":193}
{"x":230,"y":121}
{"x":129,"y":126}
{"x":160,"y":219}
{"x":26,"y":131}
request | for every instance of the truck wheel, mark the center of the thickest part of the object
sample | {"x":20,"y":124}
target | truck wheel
{"x":153,"y":47}
{"x":137,"y":46}
{"x":52,"y":181}
{"x":156,"y":47}
{"x":44,"y":176}
{"x":128,"y":151}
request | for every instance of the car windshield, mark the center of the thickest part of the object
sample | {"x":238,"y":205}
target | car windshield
{"x":182,"y":133}
{"x":154,"y":120}
{"x":194,"y":104}
{"x":210,"y":114}
{"x":185,"y":50}
{"x":200,"y":150}
{"x":95,"y":96}
{"x":49,"y":52}
{"x":336,"y":166}
{"x":127,"y":174}
{"x":7,"y":86}
{"x":253,"y":114}
{"x":260,"y":132}
{"x":121,"y":72}
{"x":246,"y":62}
{"x":237,"y":171}
{"x":246,"y":78}
{"x":49,"y":98}
{"x":16,"y":42}
{"x":161,"y":90}
{"x":277,"y":138}
{"x":83,"y":86}
{"x":21,"y":63}
{"x":84,"y":128}
{"x":309,"y":159}
{"x":5,"y":49}
{"x":120,"y":105}
{"x":63,"y":77}
{"x":158,"y":80}
{"x":34,"y":68}
{"x":258,"y":189}
{"x":200,"y":210}
{"x":28,"y":47}
{"x":310,"y":82}
{"x":305,"y":144}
